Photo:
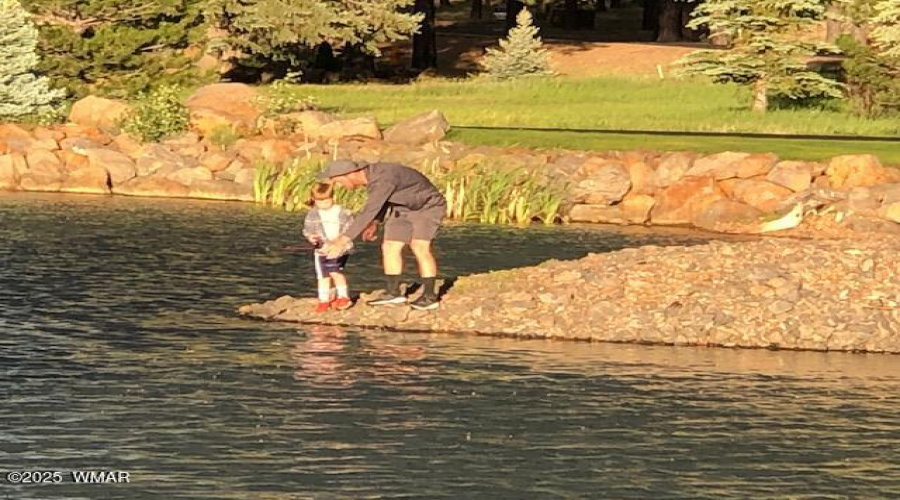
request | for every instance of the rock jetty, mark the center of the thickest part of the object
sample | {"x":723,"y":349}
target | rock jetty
{"x":777,"y":293}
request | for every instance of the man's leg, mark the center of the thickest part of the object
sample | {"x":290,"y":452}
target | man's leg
{"x":425,"y":226}
{"x":392,"y":261}
{"x":427,"y":265}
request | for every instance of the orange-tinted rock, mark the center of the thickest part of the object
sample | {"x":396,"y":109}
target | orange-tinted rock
{"x":598,"y":214}
{"x":636,"y":208}
{"x":89,"y":179}
{"x":643,"y":178}
{"x":683,"y":201}
{"x":850,"y":171}
{"x":356,"y":127}
{"x":14,"y":139}
{"x":245,"y":176}
{"x":98,"y":112}
{"x":217,"y":161}
{"x":761,"y":195}
{"x":45,"y":172}
{"x":9,"y":175}
{"x":723,"y":214}
{"x":232,"y":105}
{"x":120,"y":167}
{"x":42,"y":160}
{"x":756,"y":165}
{"x":72,"y":160}
{"x":794,"y":175}
{"x":672,"y":168}
{"x":127,"y":144}
{"x":190,"y":175}
{"x":718,"y":166}
{"x":606,"y":182}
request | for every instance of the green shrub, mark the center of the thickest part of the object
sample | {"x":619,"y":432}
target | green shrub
{"x":873,"y":81}
{"x":157,"y":114}
{"x":223,"y":137}
{"x":279,"y":99}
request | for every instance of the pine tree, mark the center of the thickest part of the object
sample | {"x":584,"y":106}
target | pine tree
{"x":22,"y":92}
{"x":769,"y":48}
{"x":521,"y":54}
{"x":117,"y":47}
{"x":257,"y":32}
{"x":887,"y":27}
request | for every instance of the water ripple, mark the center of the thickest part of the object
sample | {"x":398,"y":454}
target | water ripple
{"x":120,"y":351}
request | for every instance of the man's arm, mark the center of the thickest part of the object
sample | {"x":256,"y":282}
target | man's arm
{"x":377,"y":198}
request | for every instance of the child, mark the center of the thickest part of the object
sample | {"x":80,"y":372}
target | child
{"x":326,"y":221}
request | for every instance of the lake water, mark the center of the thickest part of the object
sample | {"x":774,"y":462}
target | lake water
{"x":120,"y":350}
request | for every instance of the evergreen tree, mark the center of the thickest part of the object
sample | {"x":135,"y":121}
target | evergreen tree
{"x":887,"y":27}
{"x":769,"y":48}
{"x":257,"y":32}
{"x":22,"y":92}
{"x":521,"y":54}
{"x":117,"y":47}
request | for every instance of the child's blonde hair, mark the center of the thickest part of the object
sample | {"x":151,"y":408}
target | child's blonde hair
{"x":320,"y":191}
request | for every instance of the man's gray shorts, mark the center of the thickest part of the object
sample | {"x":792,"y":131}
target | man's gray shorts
{"x":401,"y":224}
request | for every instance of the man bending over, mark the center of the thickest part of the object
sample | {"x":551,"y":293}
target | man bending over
{"x":411,"y":208}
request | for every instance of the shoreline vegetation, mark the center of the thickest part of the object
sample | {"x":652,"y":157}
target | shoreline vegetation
{"x":487,"y":194}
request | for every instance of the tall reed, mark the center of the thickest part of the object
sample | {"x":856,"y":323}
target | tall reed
{"x":488,"y":194}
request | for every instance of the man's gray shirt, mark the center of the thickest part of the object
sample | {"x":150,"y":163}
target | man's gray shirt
{"x":390,"y":184}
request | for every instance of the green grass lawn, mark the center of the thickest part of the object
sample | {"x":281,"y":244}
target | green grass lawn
{"x":611,"y":103}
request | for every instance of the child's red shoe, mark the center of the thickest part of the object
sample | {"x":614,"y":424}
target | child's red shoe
{"x":341,"y":303}
{"x":322,"y":307}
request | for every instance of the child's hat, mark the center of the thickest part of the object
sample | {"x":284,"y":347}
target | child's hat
{"x":337,"y":168}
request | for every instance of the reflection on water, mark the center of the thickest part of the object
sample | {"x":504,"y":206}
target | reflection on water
{"x":120,"y":350}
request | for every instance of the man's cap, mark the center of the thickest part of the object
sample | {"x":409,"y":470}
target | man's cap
{"x":339,"y":167}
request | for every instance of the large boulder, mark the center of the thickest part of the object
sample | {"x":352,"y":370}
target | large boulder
{"x":42,"y":159}
{"x":723,"y":215}
{"x":756,"y":165}
{"x":761,"y":195}
{"x":216,"y":161}
{"x":231,"y":105}
{"x":90,"y":179}
{"x":9,"y":174}
{"x":672,"y":168}
{"x":98,"y":112}
{"x":152,"y":186}
{"x":850,"y":171}
{"x":127,"y":144}
{"x":605,"y":182}
{"x":794,"y":175}
{"x":155,"y":158}
{"x":636,"y":208}
{"x":245,"y":176}
{"x":357,"y":127}
{"x":220,"y":190}
{"x":597,"y":214}
{"x":643,"y":178}
{"x":45,"y":171}
{"x":683,"y":201}
{"x":119,"y":166}
{"x":420,"y":129}
{"x":188,"y":176}
{"x":15,"y":139}
{"x":719,"y":166}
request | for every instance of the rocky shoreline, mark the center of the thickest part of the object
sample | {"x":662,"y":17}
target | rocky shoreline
{"x":231,"y":136}
{"x":773,"y":293}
